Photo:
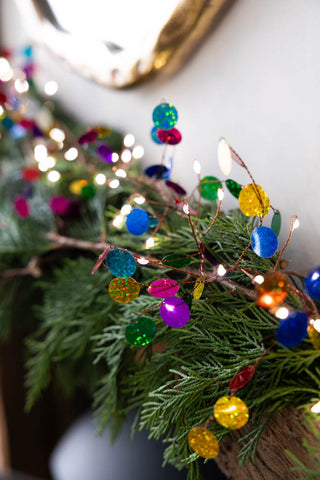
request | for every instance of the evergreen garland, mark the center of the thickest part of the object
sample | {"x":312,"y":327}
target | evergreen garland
{"x":78,"y":335}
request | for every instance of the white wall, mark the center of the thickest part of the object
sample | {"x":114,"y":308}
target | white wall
{"x":255,"y":80}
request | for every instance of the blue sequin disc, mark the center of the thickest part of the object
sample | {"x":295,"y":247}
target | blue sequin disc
{"x":154,"y":136}
{"x":137,"y":222}
{"x":264,"y":242}
{"x":293,"y":329}
{"x":312,"y":283}
{"x":157,"y":171}
{"x":121,"y":263}
{"x":165,"y":116}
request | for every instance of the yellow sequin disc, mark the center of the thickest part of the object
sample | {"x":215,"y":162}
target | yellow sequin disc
{"x":76,"y":186}
{"x":124,"y":290}
{"x":198,"y":289}
{"x":203,"y":442}
{"x":253,"y":201}
{"x":231,"y":412}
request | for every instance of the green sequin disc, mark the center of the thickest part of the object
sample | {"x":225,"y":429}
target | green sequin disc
{"x":209,"y":188}
{"x":141,"y":331}
{"x":233,"y":187}
{"x":276,"y":222}
{"x":176,"y":260}
{"x":88,"y":191}
{"x":124,"y":290}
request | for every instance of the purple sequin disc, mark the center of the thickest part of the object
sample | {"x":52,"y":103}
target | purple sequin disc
{"x":175,"y":312}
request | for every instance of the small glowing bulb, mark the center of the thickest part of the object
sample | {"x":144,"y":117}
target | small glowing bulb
{"x":150,"y":242}
{"x":51,"y":88}
{"x":114,"y":157}
{"x":1,"y":111}
{"x":54,"y":176}
{"x":295,"y":224}
{"x":221,"y":271}
{"x":21,"y":85}
{"x":40,"y":152}
{"x":315,"y":408}
{"x":196,"y":167}
{"x":224,"y":156}
{"x":43,"y":167}
{"x":282,"y":313}
{"x":139,"y":199}
{"x":186,"y":208}
{"x":50,"y":161}
{"x":220,"y":194}
{"x":128,"y":140}
{"x":259,"y":279}
{"x":126,"y":209}
{"x":121,"y":173}
{"x":126,"y":155}
{"x":114,"y":183}
{"x":118,"y":221}
{"x":143,"y":261}
{"x":57,"y":134}
{"x":100,"y":179}
{"x":71,"y":154}
{"x":316,"y":324}
{"x":138,"y":152}
{"x":6,"y":72}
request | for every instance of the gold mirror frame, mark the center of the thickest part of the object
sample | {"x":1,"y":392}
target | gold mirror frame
{"x":166,"y":49}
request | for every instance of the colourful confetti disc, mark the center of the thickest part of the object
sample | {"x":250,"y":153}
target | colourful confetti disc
{"x":137,"y":222}
{"x":170,"y":137}
{"x":241,"y":378}
{"x":153,"y":220}
{"x":314,"y":333}
{"x":233,"y":187}
{"x":293,"y":329}
{"x":124,"y":290}
{"x":121,"y":263}
{"x":154,"y":136}
{"x":105,"y":153}
{"x":253,"y":201}
{"x":88,"y":137}
{"x":21,"y":207}
{"x":175,"y":312}
{"x":165,"y":116}
{"x":157,"y":171}
{"x":176,"y":260}
{"x":198,"y":289}
{"x":231,"y":412}
{"x":203,"y":442}
{"x":30,"y":174}
{"x":176,"y":188}
{"x":272,"y":291}
{"x":59,"y":204}
{"x":209,"y":188}
{"x":276,"y":222}
{"x":312,"y":283}
{"x":163,"y":288}
{"x":88,"y":191}
{"x":264,"y":242}
{"x":76,"y":186}
{"x":141,"y":331}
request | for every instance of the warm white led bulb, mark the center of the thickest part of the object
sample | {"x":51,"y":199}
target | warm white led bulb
{"x":118,"y":221}
{"x":282,"y":313}
{"x":126,"y":209}
{"x":138,"y":152}
{"x":51,"y":88}
{"x":150,"y":242}
{"x":259,"y":279}
{"x":315,"y":408}
{"x":220,"y":194}
{"x":21,"y":85}
{"x":221,"y":271}
{"x":114,"y":157}
{"x":296,"y":223}
{"x":114,"y":183}
{"x":71,"y":154}
{"x":224,"y":157}
{"x":196,"y":167}
{"x":100,"y":179}
{"x":121,"y":173}
{"x":126,"y":155}
{"x":139,"y":199}
{"x":57,"y":134}
{"x":6,"y":72}
{"x":54,"y":176}
{"x":40,"y":152}
{"x":143,"y":261}
{"x":128,"y":140}
{"x":50,"y":161}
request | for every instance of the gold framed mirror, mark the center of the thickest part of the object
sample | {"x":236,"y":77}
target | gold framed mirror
{"x":118,"y":43}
